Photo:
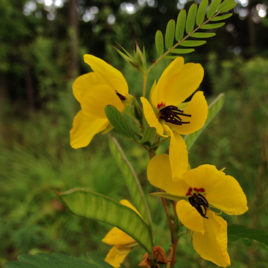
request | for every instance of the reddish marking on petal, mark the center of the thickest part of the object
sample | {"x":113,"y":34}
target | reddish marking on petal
{"x":201,"y":190}
{"x":161,"y":105}
{"x":189,"y":191}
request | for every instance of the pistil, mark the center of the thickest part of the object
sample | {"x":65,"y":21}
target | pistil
{"x":172,"y":114}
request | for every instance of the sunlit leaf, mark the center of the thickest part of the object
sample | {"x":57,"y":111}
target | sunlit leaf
{"x":190,"y":21}
{"x":170,"y":32}
{"x":159,"y":42}
{"x":222,"y":17}
{"x":193,"y":43}
{"x":236,"y":231}
{"x":95,"y":206}
{"x":201,"y":12}
{"x":202,"y":35}
{"x":214,"y":108}
{"x":180,"y":25}
{"x":210,"y":26}
{"x":131,"y":179}
{"x":213,"y":7}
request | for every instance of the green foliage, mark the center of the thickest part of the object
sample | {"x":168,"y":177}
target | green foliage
{"x":132,"y":181}
{"x":191,"y":24}
{"x":214,"y":108}
{"x":99,"y":207}
{"x":236,"y":231}
{"x":122,"y":122}
{"x":42,"y":260}
{"x":170,"y":33}
{"x":201,"y":12}
{"x":190,"y":21}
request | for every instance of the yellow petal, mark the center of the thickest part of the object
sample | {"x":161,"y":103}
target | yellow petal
{"x":151,"y":117}
{"x":179,"y":82}
{"x":85,"y":128}
{"x":222,"y":191}
{"x":84,"y":83}
{"x":167,"y":78}
{"x":108,"y":74}
{"x":190,"y":217}
{"x":178,"y":156}
{"x":159,"y":175}
{"x":117,"y":237}
{"x":94,"y":99}
{"x":198,"y":109}
{"x":116,"y":256}
{"x":212,"y":245}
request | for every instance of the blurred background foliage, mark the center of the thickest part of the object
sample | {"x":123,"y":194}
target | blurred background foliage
{"x":41,"y":48}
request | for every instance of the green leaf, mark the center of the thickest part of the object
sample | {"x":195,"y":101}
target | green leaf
{"x":236,"y":231}
{"x":121,"y":122}
{"x":201,"y":12}
{"x":213,"y":7}
{"x":170,"y":32}
{"x":180,"y":25}
{"x":210,"y":26}
{"x":131,"y":179}
{"x":182,"y":50}
{"x":202,"y":35}
{"x":226,"y":6}
{"x":190,"y":22}
{"x":159,"y":42}
{"x":222,"y":17}
{"x":214,"y":108}
{"x":53,"y":260}
{"x":148,"y":135}
{"x":167,"y":196}
{"x":95,"y":206}
{"x":193,"y":43}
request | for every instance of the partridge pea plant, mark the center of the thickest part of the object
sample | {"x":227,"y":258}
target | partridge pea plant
{"x":174,"y":111}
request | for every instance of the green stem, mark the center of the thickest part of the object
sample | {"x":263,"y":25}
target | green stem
{"x":145,"y":77}
{"x":135,"y":176}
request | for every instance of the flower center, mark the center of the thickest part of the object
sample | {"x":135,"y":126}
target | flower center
{"x":172,"y":114}
{"x":121,"y":97}
{"x":198,"y":201}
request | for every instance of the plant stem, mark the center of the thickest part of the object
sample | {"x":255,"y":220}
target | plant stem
{"x":136,"y":179}
{"x":174,"y":239}
{"x":145,"y":77}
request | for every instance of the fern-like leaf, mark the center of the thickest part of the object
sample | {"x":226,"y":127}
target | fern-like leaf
{"x":191,"y":29}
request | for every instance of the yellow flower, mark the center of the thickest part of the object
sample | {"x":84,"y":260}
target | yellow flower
{"x":94,"y":91}
{"x":122,"y":243}
{"x":169,"y":114}
{"x":202,"y":188}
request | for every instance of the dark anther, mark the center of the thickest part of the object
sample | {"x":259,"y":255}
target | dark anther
{"x":200,"y":203}
{"x":173,"y":115}
{"x":121,"y":97}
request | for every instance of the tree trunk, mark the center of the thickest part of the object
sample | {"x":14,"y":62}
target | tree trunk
{"x":73,"y":33}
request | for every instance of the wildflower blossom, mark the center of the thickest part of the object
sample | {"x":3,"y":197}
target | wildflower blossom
{"x":167,"y":110}
{"x":104,"y":86}
{"x":122,"y":243}
{"x":201,"y":189}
